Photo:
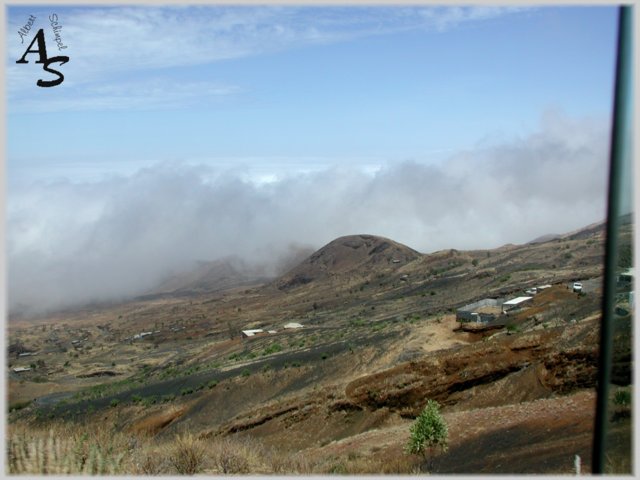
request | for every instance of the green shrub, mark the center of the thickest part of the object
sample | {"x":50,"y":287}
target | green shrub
{"x":625,"y":256}
{"x":274,"y":348}
{"x":114,"y":402}
{"x":622,"y":398}
{"x":19,"y":405}
{"x":428,"y":433}
{"x":338,"y":468}
{"x":212,"y":383}
{"x":378,"y":326}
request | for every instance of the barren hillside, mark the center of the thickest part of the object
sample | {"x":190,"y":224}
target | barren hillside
{"x":376,"y":337}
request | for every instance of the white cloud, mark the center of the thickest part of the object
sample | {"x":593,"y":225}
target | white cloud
{"x":446,"y":18}
{"x":73,"y":242}
{"x":149,"y":94}
{"x":105,"y":44}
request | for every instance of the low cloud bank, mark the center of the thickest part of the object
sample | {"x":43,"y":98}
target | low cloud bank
{"x":71,"y":243}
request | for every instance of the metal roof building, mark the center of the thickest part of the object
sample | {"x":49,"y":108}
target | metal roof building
{"x":516,"y":302}
{"x":252,"y":333}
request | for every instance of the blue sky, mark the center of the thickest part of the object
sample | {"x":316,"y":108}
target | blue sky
{"x":183,"y":134}
{"x":360,"y":84}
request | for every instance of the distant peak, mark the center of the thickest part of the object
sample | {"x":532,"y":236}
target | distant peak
{"x":359,"y":254}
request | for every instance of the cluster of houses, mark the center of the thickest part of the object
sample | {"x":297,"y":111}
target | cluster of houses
{"x":138,"y":336}
{"x":21,"y":369}
{"x":625,"y":283}
{"x":488,"y":309}
{"x":260,"y":332}
{"x":22,"y":355}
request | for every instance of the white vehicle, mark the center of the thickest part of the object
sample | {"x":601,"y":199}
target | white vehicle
{"x":531,"y":291}
{"x":577,"y":287}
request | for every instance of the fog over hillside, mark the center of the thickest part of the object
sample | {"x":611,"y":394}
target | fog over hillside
{"x":70,"y":242}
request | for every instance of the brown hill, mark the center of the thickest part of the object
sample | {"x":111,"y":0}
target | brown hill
{"x":363,"y":254}
{"x":594,"y":229}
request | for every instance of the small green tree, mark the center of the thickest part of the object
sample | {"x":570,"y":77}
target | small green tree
{"x":622,"y":398}
{"x":427,"y":433}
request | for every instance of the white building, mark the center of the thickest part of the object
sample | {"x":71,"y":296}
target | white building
{"x":293,"y":325}
{"x":515,"y":303}
{"x":138,"y":336}
{"x":251,"y":333}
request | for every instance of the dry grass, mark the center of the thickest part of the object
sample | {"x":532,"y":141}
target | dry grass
{"x":188,"y":454}
{"x":231,"y":457}
{"x":150,"y":462}
{"x":58,"y":451}
{"x":354,"y":463}
{"x":292,"y":464}
{"x":66,"y":450}
{"x":83,"y":450}
{"x":617,"y":464}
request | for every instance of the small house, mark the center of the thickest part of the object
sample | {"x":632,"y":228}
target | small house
{"x":293,"y":325}
{"x":138,"y":336}
{"x":252,"y":333}
{"x":625,"y":279}
{"x":514,"y":303}
{"x":482,"y":311}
